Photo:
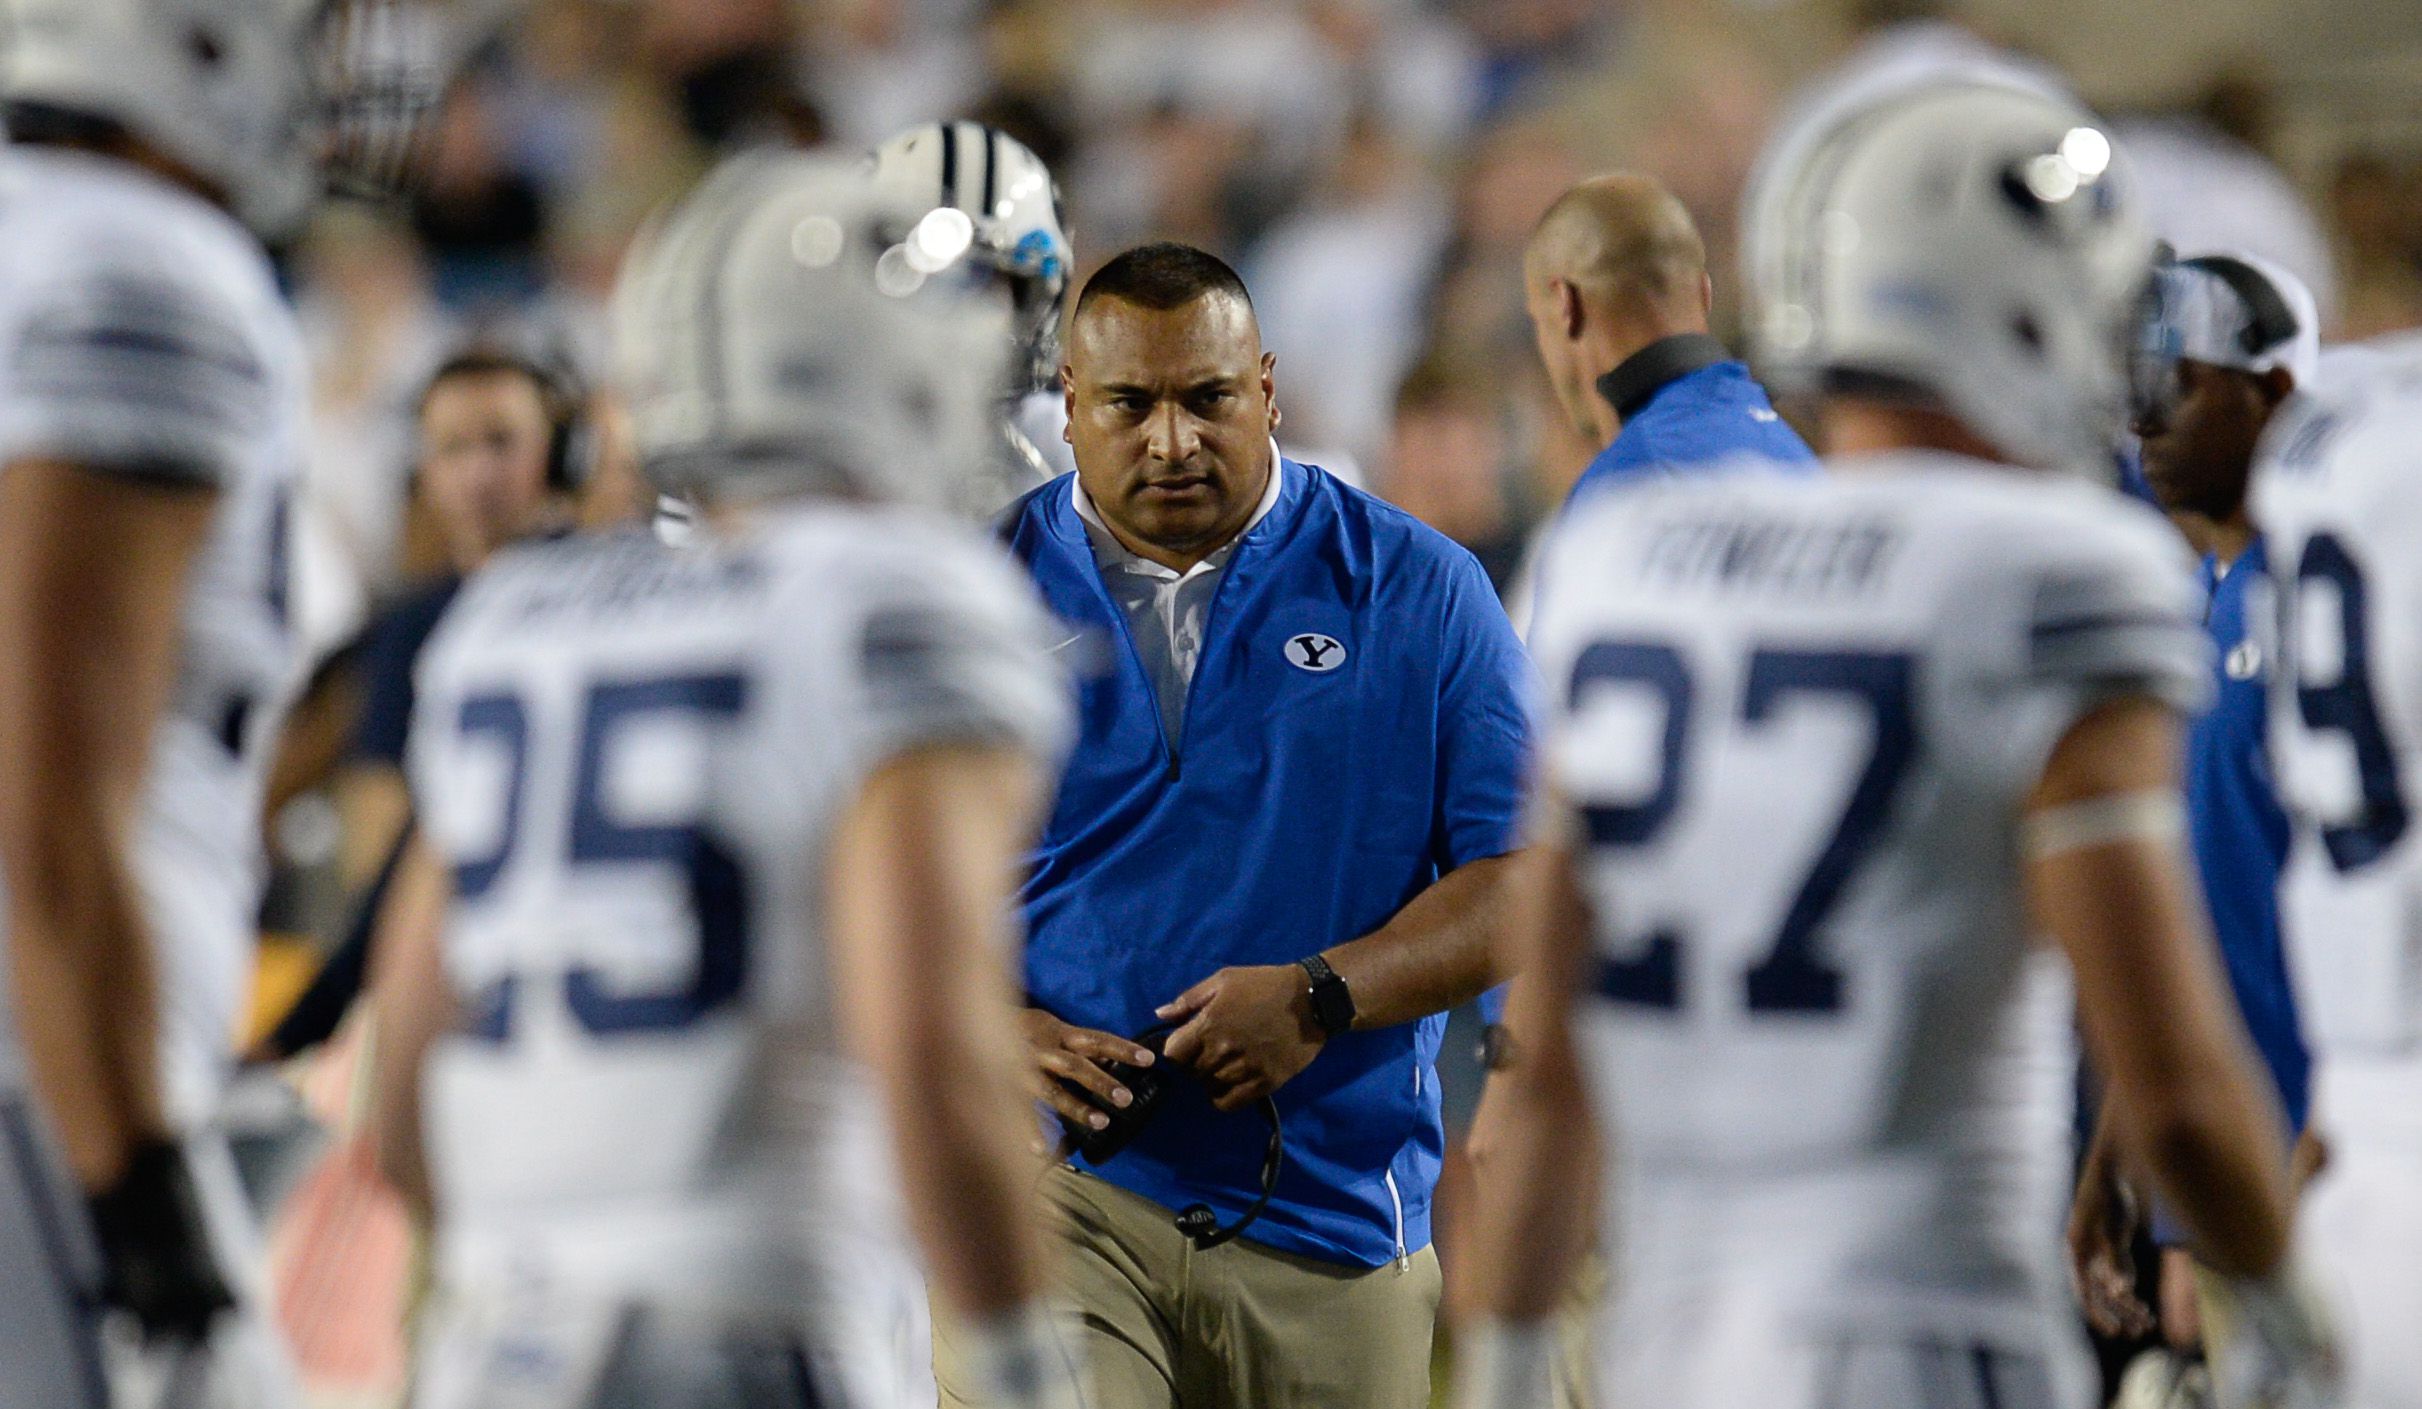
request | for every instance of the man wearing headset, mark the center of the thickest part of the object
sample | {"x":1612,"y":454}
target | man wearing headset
{"x":2229,"y":337}
{"x":504,"y":454}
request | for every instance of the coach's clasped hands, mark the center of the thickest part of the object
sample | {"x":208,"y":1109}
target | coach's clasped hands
{"x":1073,"y":1053}
{"x":1246,"y":1031}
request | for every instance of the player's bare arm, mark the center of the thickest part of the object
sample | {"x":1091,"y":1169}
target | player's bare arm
{"x":412,"y":1006}
{"x":1532,"y":1222}
{"x":92,"y":573}
{"x":1250,"y":1029}
{"x":1533,"y":1218}
{"x":2190,"y":1108}
{"x":922,"y":869}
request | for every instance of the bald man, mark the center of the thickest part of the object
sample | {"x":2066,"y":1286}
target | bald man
{"x":1615,"y":280}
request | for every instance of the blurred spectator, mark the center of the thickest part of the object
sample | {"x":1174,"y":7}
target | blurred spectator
{"x":1446,"y":458}
{"x":1418,"y":71}
{"x":1255,"y":66}
{"x":372,"y":329}
{"x":1177,"y":172}
{"x":1344,"y":287}
{"x":1508,"y":181}
{"x":481,"y":218}
{"x":1523,"y":41}
{"x":881,"y":65}
{"x":558,"y":85}
{"x":2377,"y":204}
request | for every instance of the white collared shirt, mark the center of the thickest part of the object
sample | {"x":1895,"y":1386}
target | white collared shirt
{"x":1168,"y":612}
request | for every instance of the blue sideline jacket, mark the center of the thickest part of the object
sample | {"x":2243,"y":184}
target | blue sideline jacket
{"x":1714,"y":412}
{"x":2239,"y":831}
{"x":1307,"y":808}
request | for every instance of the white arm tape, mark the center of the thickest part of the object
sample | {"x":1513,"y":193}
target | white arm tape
{"x":1506,"y":1365}
{"x":2151,"y":816}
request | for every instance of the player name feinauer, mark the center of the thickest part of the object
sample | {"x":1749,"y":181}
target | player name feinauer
{"x":617,"y":575}
{"x":1742,"y":552}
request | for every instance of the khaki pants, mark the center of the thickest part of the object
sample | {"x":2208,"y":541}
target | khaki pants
{"x":1163,"y":1326}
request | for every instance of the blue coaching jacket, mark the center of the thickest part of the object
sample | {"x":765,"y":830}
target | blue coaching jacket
{"x":1685,"y":401}
{"x":2240,"y":836}
{"x":2240,"y":832}
{"x":1307,"y":807}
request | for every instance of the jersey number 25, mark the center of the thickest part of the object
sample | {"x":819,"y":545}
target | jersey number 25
{"x":686,"y":852}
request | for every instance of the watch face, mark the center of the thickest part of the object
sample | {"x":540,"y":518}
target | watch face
{"x":1331,"y":1005}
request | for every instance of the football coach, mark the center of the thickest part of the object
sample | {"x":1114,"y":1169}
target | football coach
{"x":1283,"y":834}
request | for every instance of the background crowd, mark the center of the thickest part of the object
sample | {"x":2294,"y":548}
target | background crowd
{"x":1371,"y":166}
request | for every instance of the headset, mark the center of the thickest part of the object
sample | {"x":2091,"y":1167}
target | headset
{"x":571,"y":445}
{"x":1149,"y":1086}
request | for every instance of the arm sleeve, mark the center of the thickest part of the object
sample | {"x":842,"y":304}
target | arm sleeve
{"x":2110,"y":609}
{"x":2119,"y":617}
{"x":952,"y":648}
{"x":1486,"y":697}
{"x":135,"y":371}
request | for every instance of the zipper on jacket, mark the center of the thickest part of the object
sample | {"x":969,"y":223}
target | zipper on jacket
{"x":1395,"y":1199}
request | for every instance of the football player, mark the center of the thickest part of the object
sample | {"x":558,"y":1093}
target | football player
{"x":1825,"y":756}
{"x":727,"y":838}
{"x":973,"y":184}
{"x":152,"y":394}
{"x":2335,"y":497}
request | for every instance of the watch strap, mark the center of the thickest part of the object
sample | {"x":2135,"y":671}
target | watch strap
{"x":1332,"y":1001}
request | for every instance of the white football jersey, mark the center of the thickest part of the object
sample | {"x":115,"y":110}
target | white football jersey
{"x":2336,"y":498}
{"x":1796,"y":719}
{"x":142,"y":333}
{"x":633,"y":758}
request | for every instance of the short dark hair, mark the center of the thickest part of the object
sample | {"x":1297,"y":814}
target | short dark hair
{"x":1163,"y":276}
{"x":1446,"y":379}
{"x":556,"y":394}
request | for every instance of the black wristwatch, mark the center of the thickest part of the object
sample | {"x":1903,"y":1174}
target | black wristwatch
{"x":1332,"y":1001}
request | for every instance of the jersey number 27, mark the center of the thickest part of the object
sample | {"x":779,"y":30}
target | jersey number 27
{"x":1793,"y":977}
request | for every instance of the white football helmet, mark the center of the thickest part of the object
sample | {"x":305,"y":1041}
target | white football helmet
{"x":257,"y":97}
{"x":774,"y":337}
{"x":1976,"y":248}
{"x":1013,"y":208}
